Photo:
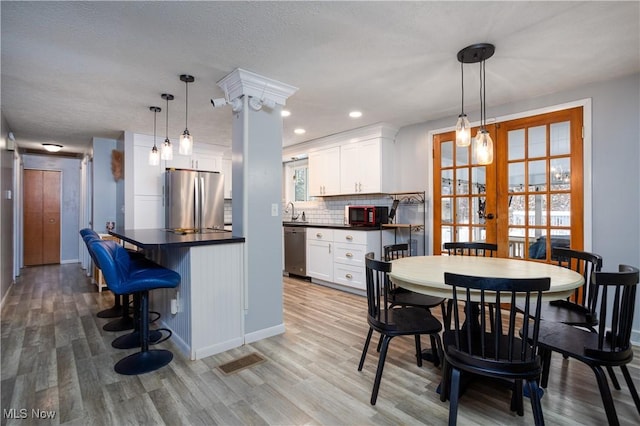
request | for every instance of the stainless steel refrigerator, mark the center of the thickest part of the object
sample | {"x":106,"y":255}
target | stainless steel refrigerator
{"x":194,"y":201}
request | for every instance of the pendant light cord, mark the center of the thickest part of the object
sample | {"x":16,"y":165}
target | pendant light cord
{"x":155,"y":116}
{"x":462,"y":73}
{"x":167,"y":120}
{"x":186,"y":108}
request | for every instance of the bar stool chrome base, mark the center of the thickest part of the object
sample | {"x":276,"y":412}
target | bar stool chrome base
{"x":143,"y":362}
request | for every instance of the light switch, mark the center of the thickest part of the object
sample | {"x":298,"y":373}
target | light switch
{"x":274,"y":209}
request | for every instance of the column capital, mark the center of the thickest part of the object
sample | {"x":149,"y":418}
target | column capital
{"x":242,"y":82}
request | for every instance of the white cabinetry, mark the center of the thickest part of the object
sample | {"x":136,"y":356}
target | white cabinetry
{"x":348,"y":256}
{"x":320,"y":253}
{"x":324,"y":172}
{"x":366,"y":167}
{"x":147,"y":187}
{"x":199,"y":160}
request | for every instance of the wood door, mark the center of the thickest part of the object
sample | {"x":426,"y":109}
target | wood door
{"x":464,"y":193}
{"x":529,"y":200}
{"x":41,"y":217}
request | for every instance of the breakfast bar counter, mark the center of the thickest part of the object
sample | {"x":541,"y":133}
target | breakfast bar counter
{"x":206,"y":311}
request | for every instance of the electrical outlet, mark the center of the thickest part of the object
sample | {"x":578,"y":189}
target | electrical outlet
{"x":274,"y":209}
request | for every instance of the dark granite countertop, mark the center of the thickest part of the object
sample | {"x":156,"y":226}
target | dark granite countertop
{"x":149,"y":238}
{"x":331,"y":226}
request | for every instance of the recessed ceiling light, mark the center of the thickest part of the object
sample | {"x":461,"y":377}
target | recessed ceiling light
{"x":52,"y":147}
{"x":285,"y":113}
{"x":299,"y":131}
{"x":355,"y":114}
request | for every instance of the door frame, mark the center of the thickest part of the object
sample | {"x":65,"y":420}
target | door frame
{"x":586,"y":160}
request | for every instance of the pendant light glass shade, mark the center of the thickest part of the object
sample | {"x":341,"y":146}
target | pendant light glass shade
{"x":484,"y":147}
{"x":186,"y":140}
{"x":463,"y":131}
{"x":167,"y":149}
{"x":186,"y":143}
{"x":154,"y":155}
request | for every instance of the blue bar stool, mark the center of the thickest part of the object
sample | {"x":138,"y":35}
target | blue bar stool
{"x":123,"y":278}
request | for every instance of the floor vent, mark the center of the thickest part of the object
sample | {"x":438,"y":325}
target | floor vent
{"x":241,"y":363}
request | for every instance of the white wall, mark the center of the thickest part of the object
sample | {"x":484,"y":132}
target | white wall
{"x":6,"y":210}
{"x":615,"y":178}
{"x":104,"y":186}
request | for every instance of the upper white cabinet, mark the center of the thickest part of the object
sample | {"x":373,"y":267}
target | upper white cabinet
{"x":227,"y":173}
{"x":324,"y":172}
{"x":366,"y":167}
{"x":198,"y":160}
{"x":359,"y":161}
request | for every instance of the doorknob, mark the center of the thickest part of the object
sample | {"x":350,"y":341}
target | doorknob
{"x":52,"y":221}
{"x":490,"y":216}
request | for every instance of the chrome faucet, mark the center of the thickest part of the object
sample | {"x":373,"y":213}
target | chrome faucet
{"x":293,"y":210}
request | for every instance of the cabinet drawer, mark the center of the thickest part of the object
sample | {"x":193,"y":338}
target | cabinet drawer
{"x":349,"y":254}
{"x":350,"y":276}
{"x":320,"y":234}
{"x":349,"y":236}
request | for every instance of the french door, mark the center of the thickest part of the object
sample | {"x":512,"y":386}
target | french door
{"x":528,"y":200}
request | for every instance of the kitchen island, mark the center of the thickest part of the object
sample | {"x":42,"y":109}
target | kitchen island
{"x":206,"y":311}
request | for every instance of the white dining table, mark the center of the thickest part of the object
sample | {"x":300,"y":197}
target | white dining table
{"x":425,"y":274}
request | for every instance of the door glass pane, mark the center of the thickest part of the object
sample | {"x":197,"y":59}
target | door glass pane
{"x":479,"y":209}
{"x":516,"y":210}
{"x":463,"y":181}
{"x":462,"y":155}
{"x":447,"y":182}
{"x":516,"y":242}
{"x":462,"y":210}
{"x":478,"y":178}
{"x":516,"y":144}
{"x":479,"y":234}
{"x":561,"y":209}
{"x":537,"y":175}
{"x":560,"y":172}
{"x":560,"y":138}
{"x":537,"y":214}
{"x":537,"y":141}
{"x":446,"y":152}
{"x":447,"y":234}
{"x":516,"y":177}
{"x":447,"y":211}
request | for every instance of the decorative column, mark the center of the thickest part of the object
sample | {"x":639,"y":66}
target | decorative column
{"x":257,"y":193}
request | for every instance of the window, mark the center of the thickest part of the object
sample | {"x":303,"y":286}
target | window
{"x":296,"y":182}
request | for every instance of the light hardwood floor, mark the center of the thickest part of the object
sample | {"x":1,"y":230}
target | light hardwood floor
{"x":55,"y":356}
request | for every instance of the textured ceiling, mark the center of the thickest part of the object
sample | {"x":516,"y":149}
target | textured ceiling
{"x":72,"y":71}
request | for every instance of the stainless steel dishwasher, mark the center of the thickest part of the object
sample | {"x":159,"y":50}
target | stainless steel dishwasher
{"x":295,"y":250}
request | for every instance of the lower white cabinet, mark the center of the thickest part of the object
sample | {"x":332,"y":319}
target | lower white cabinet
{"x":337,"y":255}
{"x":320,"y":253}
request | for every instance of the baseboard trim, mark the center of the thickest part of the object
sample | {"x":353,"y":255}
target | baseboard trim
{"x":264,"y":333}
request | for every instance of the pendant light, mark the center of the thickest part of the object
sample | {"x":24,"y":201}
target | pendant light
{"x":167,"y":148}
{"x":463,"y":128}
{"x":154,"y":155}
{"x":477,"y":53}
{"x":186,"y":140}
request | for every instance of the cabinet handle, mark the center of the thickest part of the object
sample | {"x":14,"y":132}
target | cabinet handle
{"x":349,"y":254}
{"x":318,"y":235}
{"x":360,"y":187}
{"x":329,"y":248}
{"x":349,"y":276}
{"x":356,"y":188}
{"x":349,"y":237}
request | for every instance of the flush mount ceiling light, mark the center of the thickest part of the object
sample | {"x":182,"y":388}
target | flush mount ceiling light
{"x":154,"y":155}
{"x":186,"y":140}
{"x":299,"y":131}
{"x":167,"y":148}
{"x":285,"y":113}
{"x":52,"y":147}
{"x":355,"y":114}
{"x":476,"y":53}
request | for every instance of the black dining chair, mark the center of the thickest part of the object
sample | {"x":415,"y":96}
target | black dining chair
{"x":494,"y":348}
{"x":610,"y":346}
{"x":404,"y":297}
{"x":391,"y":321}
{"x":468,"y":248}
